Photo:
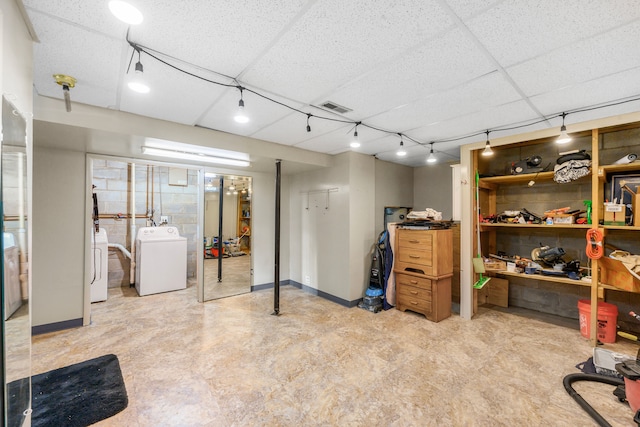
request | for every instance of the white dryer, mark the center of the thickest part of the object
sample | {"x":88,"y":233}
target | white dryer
{"x":12,"y":296}
{"x":99,"y":265}
{"x":161,"y":260}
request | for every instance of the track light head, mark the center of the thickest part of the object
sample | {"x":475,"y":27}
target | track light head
{"x":355,"y":142}
{"x":564,"y":137}
{"x":401,"y":151}
{"x":432,"y":156}
{"x":241,"y":116}
{"x":487,"y":147}
{"x":308,"y":125}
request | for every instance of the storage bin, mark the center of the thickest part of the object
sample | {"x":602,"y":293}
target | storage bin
{"x":607,"y":320}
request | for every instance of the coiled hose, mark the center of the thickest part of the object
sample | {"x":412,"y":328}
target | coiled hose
{"x":571,"y":378}
{"x":595,"y":248}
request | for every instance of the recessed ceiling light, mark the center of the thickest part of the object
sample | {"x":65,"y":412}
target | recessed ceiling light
{"x":125,"y":12}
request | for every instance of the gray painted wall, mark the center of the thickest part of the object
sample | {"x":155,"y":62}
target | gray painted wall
{"x":59,"y":187}
{"x":433,"y":189}
{"x":393,"y":187}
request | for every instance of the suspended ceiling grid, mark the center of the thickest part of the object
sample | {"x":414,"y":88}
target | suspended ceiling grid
{"x":430,"y":69}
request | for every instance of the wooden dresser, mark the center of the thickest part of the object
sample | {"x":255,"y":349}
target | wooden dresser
{"x":423,"y":270}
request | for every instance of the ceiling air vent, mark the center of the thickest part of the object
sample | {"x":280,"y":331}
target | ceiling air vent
{"x":335,"y":107}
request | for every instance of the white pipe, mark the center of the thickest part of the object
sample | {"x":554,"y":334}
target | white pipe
{"x":122,"y":249}
{"x":132,"y":269}
{"x":22,"y":243}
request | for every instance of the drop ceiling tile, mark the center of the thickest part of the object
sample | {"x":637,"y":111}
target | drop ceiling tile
{"x":174,"y":96}
{"x":91,"y":15}
{"x":485,"y":92}
{"x":468,"y":8}
{"x":598,"y":91}
{"x":514,"y":31}
{"x":221,"y":35}
{"x":339,"y":140}
{"x":260,"y":111}
{"x":335,"y":41}
{"x":514,"y":113}
{"x":441,"y":63}
{"x":292,"y":129}
{"x":598,"y":56}
{"x":85,"y":55}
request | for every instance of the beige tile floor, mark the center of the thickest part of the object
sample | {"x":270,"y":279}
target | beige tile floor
{"x":236,"y":277}
{"x":230,"y":363}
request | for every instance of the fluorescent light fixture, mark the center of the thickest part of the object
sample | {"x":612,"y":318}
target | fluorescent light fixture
{"x":125,"y":12}
{"x":194,"y":156}
{"x":166,"y":144}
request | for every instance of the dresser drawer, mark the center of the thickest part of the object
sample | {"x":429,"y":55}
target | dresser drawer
{"x":414,"y":239}
{"x":418,"y":305}
{"x":403,"y":280}
{"x":413,"y":293}
{"x":416,"y":256}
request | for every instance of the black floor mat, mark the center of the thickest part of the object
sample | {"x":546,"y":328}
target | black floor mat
{"x":75,"y":396}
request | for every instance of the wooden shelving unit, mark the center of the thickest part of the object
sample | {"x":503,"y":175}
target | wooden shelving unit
{"x":244,"y":221}
{"x":604,"y":146}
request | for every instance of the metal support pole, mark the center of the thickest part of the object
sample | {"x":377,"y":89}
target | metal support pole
{"x":220,"y":205}
{"x":276,"y":276}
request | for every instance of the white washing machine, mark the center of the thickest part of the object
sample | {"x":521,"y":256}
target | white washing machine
{"x":161,"y":260}
{"x":99,"y":265}
{"x":12,"y":296}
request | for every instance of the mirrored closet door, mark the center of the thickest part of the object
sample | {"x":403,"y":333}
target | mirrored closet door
{"x":227,"y":235}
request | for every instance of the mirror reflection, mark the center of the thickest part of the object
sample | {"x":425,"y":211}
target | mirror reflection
{"x":227,"y":213}
{"x":15,"y":281}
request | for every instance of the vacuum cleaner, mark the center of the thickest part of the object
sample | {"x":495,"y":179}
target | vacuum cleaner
{"x":374,"y":295}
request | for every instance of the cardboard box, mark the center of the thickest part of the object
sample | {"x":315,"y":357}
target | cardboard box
{"x":614,"y":214}
{"x":636,"y":210}
{"x":564,"y":218}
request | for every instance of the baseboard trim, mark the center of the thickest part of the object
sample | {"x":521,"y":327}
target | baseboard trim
{"x":310,"y":290}
{"x":54,"y":327}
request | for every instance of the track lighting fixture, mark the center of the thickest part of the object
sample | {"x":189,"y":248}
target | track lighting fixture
{"x":308,"y":125}
{"x":564,"y":136}
{"x":240,"y":116}
{"x":432,"y":157}
{"x":125,"y":12}
{"x":66,"y":82}
{"x":401,"y":151}
{"x":487,"y":147}
{"x":355,"y":143}
{"x":137,"y":84}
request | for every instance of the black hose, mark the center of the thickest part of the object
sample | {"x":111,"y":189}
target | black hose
{"x":571,"y":378}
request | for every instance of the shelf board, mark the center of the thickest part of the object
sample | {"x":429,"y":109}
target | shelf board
{"x":605,"y":170}
{"x":564,"y":226}
{"x":514,"y":179}
{"x":491,"y":181}
{"x":620,"y":227}
{"x":543,"y":278}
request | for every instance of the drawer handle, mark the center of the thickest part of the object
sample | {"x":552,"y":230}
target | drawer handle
{"x":414,"y":256}
{"x":414,"y":292}
{"x":414,"y":303}
{"x":414,"y":241}
{"x":414,"y":282}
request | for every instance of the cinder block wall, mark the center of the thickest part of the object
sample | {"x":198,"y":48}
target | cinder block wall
{"x":155,"y":197}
